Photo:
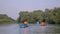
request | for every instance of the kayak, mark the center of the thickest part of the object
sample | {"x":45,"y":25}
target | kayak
{"x":24,"y":26}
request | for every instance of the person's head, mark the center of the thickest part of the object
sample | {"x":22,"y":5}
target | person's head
{"x":43,"y":20}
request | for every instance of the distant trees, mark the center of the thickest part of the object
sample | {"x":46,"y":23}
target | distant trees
{"x":31,"y":17}
{"x":4,"y":19}
{"x":50,"y":15}
{"x":53,"y":14}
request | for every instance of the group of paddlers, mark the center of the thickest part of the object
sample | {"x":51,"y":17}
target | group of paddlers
{"x":42,"y":23}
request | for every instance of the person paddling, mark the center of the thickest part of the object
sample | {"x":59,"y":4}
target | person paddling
{"x":25,"y":22}
{"x":43,"y":22}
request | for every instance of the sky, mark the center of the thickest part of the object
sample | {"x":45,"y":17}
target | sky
{"x":13,"y":7}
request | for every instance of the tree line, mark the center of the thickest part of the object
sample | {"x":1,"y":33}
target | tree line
{"x":50,"y":15}
{"x":4,"y":19}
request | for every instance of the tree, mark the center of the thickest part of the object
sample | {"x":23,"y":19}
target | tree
{"x":31,"y":15}
{"x":4,"y":19}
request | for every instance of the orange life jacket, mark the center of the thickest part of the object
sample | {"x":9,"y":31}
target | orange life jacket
{"x":43,"y":23}
{"x":25,"y":22}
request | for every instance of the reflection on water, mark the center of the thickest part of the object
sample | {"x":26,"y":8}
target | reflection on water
{"x":32,"y":29}
{"x":43,"y":29}
{"x":25,"y":30}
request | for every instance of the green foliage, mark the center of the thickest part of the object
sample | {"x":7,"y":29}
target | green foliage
{"x":51,"y":15}
{"x":31,"y":17}
{"x":4,"y":19}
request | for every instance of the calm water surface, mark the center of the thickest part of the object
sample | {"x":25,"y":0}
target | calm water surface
{"x":32,"y":29}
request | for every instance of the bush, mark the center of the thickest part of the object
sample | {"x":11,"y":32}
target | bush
{"x":51,"y":22}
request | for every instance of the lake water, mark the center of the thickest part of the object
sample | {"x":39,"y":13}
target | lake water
{"x":32,"y":29}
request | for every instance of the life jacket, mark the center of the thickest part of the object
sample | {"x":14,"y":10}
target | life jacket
{"x":25,"y":22}
{"x":43,"y":24}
